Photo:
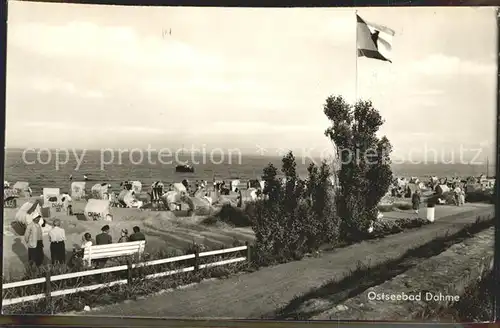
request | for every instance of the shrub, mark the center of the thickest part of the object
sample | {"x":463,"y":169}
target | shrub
{"x":479,"y":197}
{"x":403,"y":206}
{"x":383,"y":227}
{"x":296,"y":217}
{"x":386,"y":208}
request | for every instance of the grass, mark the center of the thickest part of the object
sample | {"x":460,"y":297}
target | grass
{"x":140,"y":286}
{"x":364,"y":276}
{"x":475,"y":305}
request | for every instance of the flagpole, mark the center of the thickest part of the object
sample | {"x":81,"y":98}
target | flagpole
{"x":356,"y":64}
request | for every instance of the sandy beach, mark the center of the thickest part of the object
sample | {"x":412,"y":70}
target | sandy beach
{"x":164,"y":231}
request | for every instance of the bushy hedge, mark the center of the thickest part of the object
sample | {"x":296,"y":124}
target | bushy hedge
{"x":386,"y":208}
{"x":470,"y":197}
{"x":480,"y":197}
{"x":382,"y":228}
{"x":397,"y":205}
{"x":295,"y":217}
{"x":403,"y":206}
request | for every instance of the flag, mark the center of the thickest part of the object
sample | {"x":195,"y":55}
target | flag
{"x":373,"y":41}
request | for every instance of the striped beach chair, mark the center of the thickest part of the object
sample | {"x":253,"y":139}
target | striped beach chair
{"x":157,"y":190}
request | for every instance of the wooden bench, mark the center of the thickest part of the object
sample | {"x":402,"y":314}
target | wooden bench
{"x":98,"y":252}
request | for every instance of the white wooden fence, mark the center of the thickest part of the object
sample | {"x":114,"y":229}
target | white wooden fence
{"x":48,"y":279}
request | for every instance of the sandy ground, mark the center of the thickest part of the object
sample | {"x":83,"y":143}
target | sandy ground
{"x":258,"y":294}
{"x":163,"y":230}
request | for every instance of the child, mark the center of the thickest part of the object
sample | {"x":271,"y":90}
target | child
{"x":86,"y":240}
{"x":124,"y":237}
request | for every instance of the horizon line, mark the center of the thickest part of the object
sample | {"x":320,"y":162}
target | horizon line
{"x":490,"y":162}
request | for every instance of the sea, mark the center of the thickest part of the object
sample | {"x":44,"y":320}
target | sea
{"x":52,"y":169}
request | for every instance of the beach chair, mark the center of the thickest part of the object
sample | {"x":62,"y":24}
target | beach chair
{"x":9,"y":198}
{"x":156,"y":201}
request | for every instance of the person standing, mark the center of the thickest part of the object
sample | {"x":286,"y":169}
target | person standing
{"x":137,"y":235}
{"x":239,"y":199}
{"x":415,"y":200}
{"x":34,"y":239}
{"x":57,"y":237}
{"x":103,"y":239}
{"x":461,"y":198}
{"x":456,"y":193}
{"x":66,"y":200}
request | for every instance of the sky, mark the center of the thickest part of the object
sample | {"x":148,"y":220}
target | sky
{"x":83,"y":76}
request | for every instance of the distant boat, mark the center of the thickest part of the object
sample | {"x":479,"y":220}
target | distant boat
{"x":185,"y":168}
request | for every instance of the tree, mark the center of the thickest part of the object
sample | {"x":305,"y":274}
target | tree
{"x":292,"y":188}
{"x":323,"y":223}
{"x":365,"y":173}
{"x":272,"y":187}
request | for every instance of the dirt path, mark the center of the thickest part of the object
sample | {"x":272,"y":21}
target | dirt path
{"x":448,"y":273}
{"x":255,"y":294}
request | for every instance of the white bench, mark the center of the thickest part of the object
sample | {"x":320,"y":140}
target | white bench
{"x":113,"y":250}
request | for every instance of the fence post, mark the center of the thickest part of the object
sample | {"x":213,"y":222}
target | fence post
{"x":48,"y":290}
{"x":249,"y":253}
{"x":89,"y":261}
{"x":196,"y":258}
{"x":129,"y":276}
